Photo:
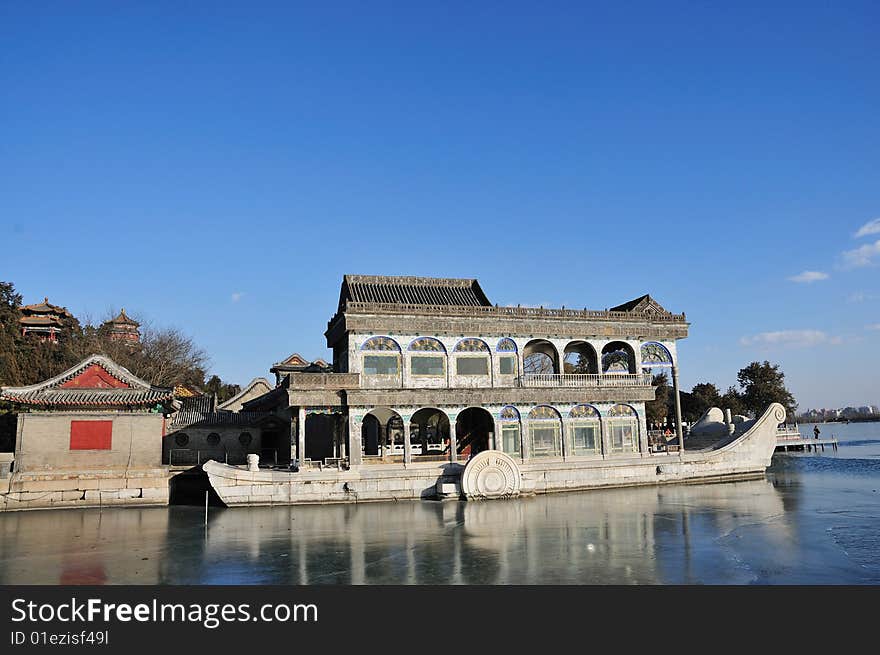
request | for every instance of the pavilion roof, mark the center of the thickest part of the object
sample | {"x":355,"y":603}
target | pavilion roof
{"x":123,"y":318}
{"x":97,"y":381}
{"x":459,"y":292}
{"x":46,"y":307}
{"x":40,"y":320}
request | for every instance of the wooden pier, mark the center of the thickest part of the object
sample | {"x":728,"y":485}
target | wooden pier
{"x":790,"y":438}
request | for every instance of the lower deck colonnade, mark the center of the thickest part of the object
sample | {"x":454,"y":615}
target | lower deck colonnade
{"x":432,"y":434}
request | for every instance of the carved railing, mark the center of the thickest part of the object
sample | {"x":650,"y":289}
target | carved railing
{"x":531,"y":380}
{"x":507,"y":312}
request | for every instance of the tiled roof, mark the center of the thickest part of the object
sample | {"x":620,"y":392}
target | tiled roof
{"x":255,"y":383}
{"x":40,"y":320}
{"x":54,"y":393}
{"x":46,"y":307}
{"x":412,"y":291}
{"x":123,"y":318}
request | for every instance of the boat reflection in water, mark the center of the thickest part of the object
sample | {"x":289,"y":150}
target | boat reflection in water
{"x":667,"y":534}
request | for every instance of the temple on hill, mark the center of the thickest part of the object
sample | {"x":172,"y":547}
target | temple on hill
{"x":44,"y":320}
{"x":123,"y":328}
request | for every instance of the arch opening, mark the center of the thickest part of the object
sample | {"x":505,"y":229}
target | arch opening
{"x":429,"y":435}
{"x":474,"y":431}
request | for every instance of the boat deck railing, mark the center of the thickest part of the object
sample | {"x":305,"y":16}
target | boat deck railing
{"x":541,"y":380}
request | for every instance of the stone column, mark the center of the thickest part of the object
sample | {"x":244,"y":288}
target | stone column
{"x":605,"y":429}
{"x":342,"y":426}
{"x":407,"y":446}
{"x":453,"y":441}
{"x":678,"y":430}
{"x":497,"y":442}
{"x":294,"y":431}
{"x":354,"y":438}
{"x":525,"y":443}
{"x":382,"y":436}
{"x":563,"y":435}
{"x":301,"y":436}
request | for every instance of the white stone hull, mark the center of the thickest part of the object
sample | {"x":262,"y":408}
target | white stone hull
{"x":746,"y":456}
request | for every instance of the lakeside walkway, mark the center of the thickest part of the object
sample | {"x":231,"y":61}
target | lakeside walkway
{"x":790,"y":438}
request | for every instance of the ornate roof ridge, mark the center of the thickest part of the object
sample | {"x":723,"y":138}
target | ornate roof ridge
{"x":114,"y":369}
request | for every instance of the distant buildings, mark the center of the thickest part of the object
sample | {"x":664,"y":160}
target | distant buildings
{"x":44,"y":321}
{"x":863,"y":412}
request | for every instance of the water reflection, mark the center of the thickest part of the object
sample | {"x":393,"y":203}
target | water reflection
{"x":739,"y":532}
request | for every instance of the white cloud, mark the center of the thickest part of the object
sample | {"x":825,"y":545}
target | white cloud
{"x":871,"y":227}
{"x":861,"y":256}
{"x":789,"y":339}
{"x":809,"y":276}
{"x":875,"y":326}
{"x":238,"y":295}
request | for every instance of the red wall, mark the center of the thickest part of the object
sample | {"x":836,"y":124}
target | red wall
{"x":91,"y":435}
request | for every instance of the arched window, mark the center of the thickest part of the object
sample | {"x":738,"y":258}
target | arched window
{"x":381,"y":344}
{"x":432,"y":362}
{"x":472,"y":357}
{"x":585,"y":431}
{"x":545,"y":432}
{"x":510,"y":430}
{"x":623,"y":426}
{"x":381,"y":356}
{"x":506,"y":350}
{"x":618,"y":357}
{"x":471,"y":346}
{"x":579,"y":357}
{"x":655,"y":355}
{"x":540,"y":357}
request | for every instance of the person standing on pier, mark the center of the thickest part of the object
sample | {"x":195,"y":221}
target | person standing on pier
{"x":816,"y":431}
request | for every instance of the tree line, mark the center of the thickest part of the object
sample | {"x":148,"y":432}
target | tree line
{"x":165,"y":357}
{"x":758,"y":385}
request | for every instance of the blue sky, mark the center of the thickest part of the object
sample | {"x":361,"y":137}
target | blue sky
{"x":219,"y":166}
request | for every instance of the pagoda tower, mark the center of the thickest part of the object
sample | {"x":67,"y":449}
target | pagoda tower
{"x":123,"y":328}
{"x":43,"y":320}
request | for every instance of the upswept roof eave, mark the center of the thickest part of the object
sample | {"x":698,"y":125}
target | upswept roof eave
{"x":104,"y":362}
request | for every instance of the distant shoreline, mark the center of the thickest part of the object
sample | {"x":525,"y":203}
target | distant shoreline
{"x":872,"y":419}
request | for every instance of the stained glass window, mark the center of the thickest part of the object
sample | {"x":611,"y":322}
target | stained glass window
{"x":622,"y":411}
{"x":381,"y":344}
{"x":509,"y":414}
{"x":427,"y":344}
{"x":655,"y":354}
{"x":471,"y":346}
{"x":506,"y":346}
{"x":543,"y":412}
{"x":584,"y":411}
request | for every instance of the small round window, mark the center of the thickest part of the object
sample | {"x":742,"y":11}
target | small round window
{"x":181,"y":439}
{"x":213,"y":439}
{"x":245,"y":439}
